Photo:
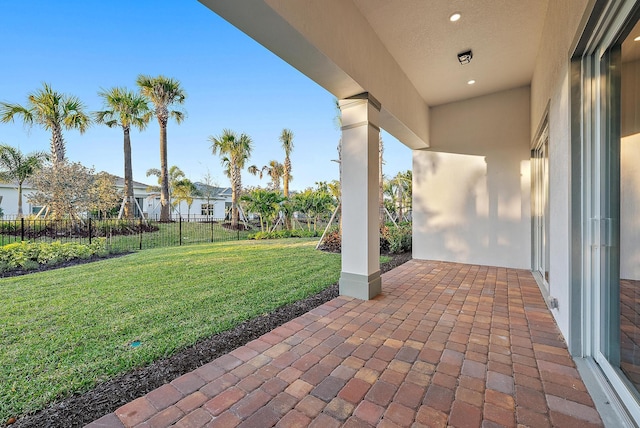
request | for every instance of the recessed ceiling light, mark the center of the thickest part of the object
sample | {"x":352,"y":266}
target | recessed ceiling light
{"x":637,"y":39}
{"x":455,"y":17}
{"x":471,"y":82}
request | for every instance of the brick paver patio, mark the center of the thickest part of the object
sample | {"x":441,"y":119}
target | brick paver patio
{"x":445,"y":345}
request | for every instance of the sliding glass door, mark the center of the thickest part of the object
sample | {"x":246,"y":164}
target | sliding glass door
{"x":613,"y":203}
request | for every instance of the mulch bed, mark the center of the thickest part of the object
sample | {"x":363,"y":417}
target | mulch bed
{"x":81,"y":409}
{"x":74,"y":262}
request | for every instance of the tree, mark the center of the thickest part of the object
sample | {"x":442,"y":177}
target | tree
{"x":104,"y":194}
{"x":234,"y":151}
{"x":15,"y":166}
{"x":398,"y":192}
{"x":174,"y":176}
{"x":53,"y":111}
{"x":314,"y":203}
{"x":163,"y":92}
{"x":265,"y":203}
{"x":275,"y":170}
{"x":184,"y":190}
{"x":286,"y":138}
{"x":64,"y":188}
{"x":125,"y":108}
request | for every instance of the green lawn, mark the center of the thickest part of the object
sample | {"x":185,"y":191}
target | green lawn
{"x":66,"y":330}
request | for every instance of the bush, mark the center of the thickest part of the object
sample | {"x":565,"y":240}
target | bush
{"x":398,"y":238}
{"x":31,"y":255}
{"x":279,"y":234}
{"x":393,"y":239}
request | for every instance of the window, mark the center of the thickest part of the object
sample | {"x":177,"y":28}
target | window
{"x":207,"y":210}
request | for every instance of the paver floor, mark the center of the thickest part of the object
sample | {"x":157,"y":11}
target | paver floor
{"x":445,"y":344}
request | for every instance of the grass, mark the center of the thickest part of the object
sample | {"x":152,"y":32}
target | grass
{"x":64,"y":331}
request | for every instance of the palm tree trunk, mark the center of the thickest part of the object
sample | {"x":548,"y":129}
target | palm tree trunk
{"x":57,"y":145}
{"x":235,"y":193}
{"x":128,"y":176}
{"x":285,"y":190}
{"x":20,"y":199}
{"x":400,"y":197}
{"x":165,"y":213}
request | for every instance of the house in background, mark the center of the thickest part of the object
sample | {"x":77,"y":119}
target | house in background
{"x":9,"y":198}
{"x":524,"y":121}
{"x":210,"y":202}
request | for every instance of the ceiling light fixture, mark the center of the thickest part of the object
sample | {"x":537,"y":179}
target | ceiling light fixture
{"x":637,"y":39}
{"x":456,"y":16}
{"x":471,"y":82}
{"x":465,"y":57}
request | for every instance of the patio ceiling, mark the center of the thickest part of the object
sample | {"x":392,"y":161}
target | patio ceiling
{"x":503,"y":34}
{"x":402,"y":52}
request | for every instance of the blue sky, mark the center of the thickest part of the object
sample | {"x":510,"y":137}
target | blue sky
{"x":231,"y":82}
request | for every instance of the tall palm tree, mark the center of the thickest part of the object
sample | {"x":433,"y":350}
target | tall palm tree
{"x":125,"y":108}
{"x":53,"y":111}
{"x":163,"y":92}
{"x":286,"y":138}
{"x":15,"y":166}
{"x":234,"y":151}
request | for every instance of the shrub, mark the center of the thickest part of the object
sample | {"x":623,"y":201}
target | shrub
{"x":398,"y":238}
{"x":30,"y":255}
{"x":393,"y":239}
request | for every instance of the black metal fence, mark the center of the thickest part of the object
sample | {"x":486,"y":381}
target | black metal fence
{"x":121,"y":234}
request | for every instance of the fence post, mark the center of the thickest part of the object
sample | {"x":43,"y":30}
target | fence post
{"x":22,"y":229}
{"x":211,"y":230}
{"x":180,"y":229}
{"x":89,"y":230}
{"x":140,"y":232}
{"x":238,"y":231}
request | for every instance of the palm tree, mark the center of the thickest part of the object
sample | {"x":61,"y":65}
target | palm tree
{"x":286,"y":138}
{"x":174,"y":176}
{"x":125,"y":108}
{"x":15,"y":166}
{"x":275,"y":170}
{"x":184,"y":190}
{"x":235,"y":151}
{"x":163,"y":92}
{"x":53,"y":111}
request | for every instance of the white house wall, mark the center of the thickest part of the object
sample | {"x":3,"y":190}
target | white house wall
{"x":551,"y":87}
{"x":471,"y":190}
{"x":9,"y":202}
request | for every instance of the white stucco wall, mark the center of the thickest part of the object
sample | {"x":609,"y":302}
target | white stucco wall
{"x":471,"y":190}
{"x":550,"y":87}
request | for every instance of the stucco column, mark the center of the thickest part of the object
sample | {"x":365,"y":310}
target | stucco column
{"x":360,"y":275}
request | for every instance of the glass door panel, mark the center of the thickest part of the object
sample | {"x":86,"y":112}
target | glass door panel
{"x":629,"y":207}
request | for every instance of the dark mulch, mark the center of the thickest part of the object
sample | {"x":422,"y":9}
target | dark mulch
{"x":44,"y":267}
{"x":81,"y":409}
